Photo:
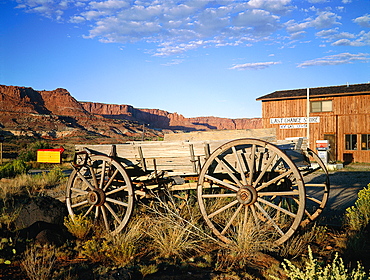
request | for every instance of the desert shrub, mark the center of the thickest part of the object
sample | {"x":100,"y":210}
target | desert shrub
{"x":39,"y":262}
{"x":313,"y":270}
{"x":358,"y":216}
{"x":30,"y":152}
{"x":79,"y":226}
{"x":13,"y":168}
{"x":7,"y":250}
{"x":49,"y":179}
{"x":93,"y":249}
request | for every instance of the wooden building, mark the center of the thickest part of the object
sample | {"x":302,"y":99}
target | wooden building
{"x":340,"y":114}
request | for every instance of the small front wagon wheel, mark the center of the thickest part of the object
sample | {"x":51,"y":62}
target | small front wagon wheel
{"x":317,"y":188}
{"x":101,"y":190}
{"x":250,"y":183}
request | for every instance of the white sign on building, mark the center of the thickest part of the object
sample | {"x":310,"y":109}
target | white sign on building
{"x":291,"y":126}
{"x":290,"y":120}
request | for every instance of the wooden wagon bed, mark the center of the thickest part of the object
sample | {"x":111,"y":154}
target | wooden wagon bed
{"x":249,"y":178}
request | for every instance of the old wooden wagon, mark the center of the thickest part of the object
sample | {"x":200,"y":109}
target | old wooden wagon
{"x":237,"y":182}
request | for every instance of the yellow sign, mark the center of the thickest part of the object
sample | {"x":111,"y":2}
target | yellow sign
{"x":50,"y":155}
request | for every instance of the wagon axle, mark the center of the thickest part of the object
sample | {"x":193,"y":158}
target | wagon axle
{"x":96,"y":197}
{"x":247,"y":195}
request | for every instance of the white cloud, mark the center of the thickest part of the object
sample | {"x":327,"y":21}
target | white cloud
{"x":324,"y":19}
{"x":177,"y":26}
{"x":317,"y":1}
{"x":337,"y":59}
{"x":345,"y":38}
{"x":253,"y":66}
{"x":363,"y":21}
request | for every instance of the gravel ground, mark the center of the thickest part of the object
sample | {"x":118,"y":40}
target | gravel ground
{"x":344,"y":187}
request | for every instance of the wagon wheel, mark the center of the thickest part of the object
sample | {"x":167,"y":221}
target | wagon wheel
{"x":251,"y":183}
{"x":101,"y":190}
{"x":317,"y":189}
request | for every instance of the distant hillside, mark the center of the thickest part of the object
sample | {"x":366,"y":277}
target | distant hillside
{"x":57,"y":115}
{"x":165,"y":120}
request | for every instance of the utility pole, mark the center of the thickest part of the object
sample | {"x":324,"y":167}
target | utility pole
{"x":308,"y":117}
{"x":1,"y":148}
{"x":143,"y":135}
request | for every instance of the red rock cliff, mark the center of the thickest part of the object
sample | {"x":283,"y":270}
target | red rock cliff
{"x":163,"y":119}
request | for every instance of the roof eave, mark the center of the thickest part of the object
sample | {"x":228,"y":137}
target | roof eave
{"x":312,"y":96}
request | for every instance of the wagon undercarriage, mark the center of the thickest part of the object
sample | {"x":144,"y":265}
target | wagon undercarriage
{"x":241,"y":183}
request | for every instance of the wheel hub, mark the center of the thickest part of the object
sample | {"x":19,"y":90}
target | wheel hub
{"x":96,"y":197}
{"x":247,"y":195}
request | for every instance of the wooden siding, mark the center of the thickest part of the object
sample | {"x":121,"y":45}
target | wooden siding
{"x":350,"y":115}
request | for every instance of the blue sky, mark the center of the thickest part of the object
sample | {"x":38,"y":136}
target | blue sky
{"x":195,"y":57}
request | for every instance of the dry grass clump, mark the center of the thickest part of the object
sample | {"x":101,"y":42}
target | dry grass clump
{"x":26,"y":184}
{"x":175,"y":230}
{"x":38,"y":262}
{"x":250,"y":240}
{"x":125,"y":248}
{"x":297,"y":245}
{"x":121,"y":250}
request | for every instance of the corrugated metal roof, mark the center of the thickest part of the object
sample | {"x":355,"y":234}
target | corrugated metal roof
{"x":318,"y":92}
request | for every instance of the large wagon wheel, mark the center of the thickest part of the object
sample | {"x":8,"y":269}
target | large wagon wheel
{"x":317,"y":188}
{"x":101,"y":190}
{"x":250,"y":182}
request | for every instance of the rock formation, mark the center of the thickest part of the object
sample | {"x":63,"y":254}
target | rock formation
{"x":165,"y":120}
{"x":57,"y":114}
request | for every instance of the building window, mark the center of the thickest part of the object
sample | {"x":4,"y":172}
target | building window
{"x":365,"y":141}
{"x":351,"y":142}
{"x":321,"y":106}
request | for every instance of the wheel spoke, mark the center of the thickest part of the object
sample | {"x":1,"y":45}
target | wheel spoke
{"x":255,"y":183}
{"x":79,"y":204}
{"x":251,"y":164}
{"x":116,"y":190}
{"x":116,"y":201}
{"x":112,"y":212}
{"x":245,"y":221}
{"x":84,"y":180}
{"x":226,"y":185}
{"x":240,"y":167}
{"x":254,"y":213}
{"x":79,"y":191}
{"x":102,"y":175}
{"x":217,"y":195}
{"x":229,"y":171}
{"x":316,"y":185}
{"x":272,"y":181}
{"x":276,"y":207}
{"x":95,"y":181}
{"x":314,"y":199}
{"x":231,"y":204}
{"x":279,"y":193}
{"x":232,"y":219}
{"x":110,"y":180}
{"x":89,"y":210}
{"x":278,"y":229}
{"x":105,"y":218}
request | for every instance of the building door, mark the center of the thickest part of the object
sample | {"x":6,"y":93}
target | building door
{"x":333,"y":146}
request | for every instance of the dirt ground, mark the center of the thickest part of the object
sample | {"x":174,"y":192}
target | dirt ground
{"x":345,"y":184}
